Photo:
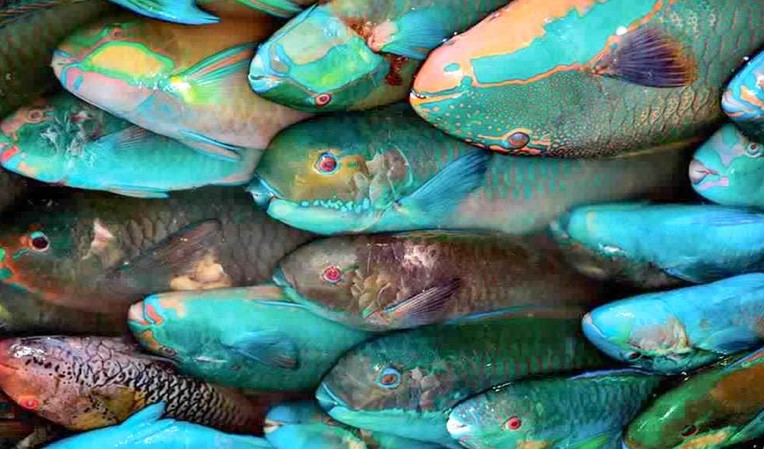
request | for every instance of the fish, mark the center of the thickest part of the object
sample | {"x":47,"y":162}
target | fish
{"x":356,"y":54}
{"x":302,"y":425}
{"x":396,"y":281}
{"x":717,"y":408}
{"x":406,"y":382}
{"x":389,"y":171}
{"x":251,"y":337}
{"x":743,"y":101}
{"x":85,"y":383}
{"x":659,"y":246}
{"x":588,"y":78}
{"x":30,"y":31}
{"x":186,"y":83}
{"x":584,"y":410}
{"x":12,"y":188}
{"x":681,"y":330}
{"x":147,"y":429}
{"x":205,"y":12}
{"x":92,"y":253}
{"x":65,"y":141}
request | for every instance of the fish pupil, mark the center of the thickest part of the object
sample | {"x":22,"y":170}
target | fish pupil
{"x":323,"y":99}
{"x":519,"y":140}
{"x":332,"y":274}
{"x":40,"y":243}
{"x":327,"y":163}
{"x":513,"y":423}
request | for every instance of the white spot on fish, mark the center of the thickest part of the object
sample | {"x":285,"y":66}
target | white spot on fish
{"x":621,"y":31}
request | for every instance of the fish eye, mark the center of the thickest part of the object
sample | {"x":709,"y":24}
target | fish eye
{"x":29,"y":403}
{"x":116,"y":32}
{"x":169,"y":351}
{"x":39,"y":242}
{"x":389,"y":378}
{"x":689,"y":431}
{"x":753,"y":150}
{"x":327,"y":163}
{"x":332,"y":275}
{"x":518,"y":140}
{"x":35,"y":115}
{"x":513,"y":423}
{"x":322,"y":99}
{"x":633,"y":356}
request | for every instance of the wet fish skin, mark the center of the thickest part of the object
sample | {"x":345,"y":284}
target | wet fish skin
{"x":743,"y":101}
{"x":100,"y":255}
{"x":251,"y":337}
{"x":398,"y":281}
{"x":406,"y":382}
{"x":563,"y":411}
{"x":191,"y":12}
{"x":719,"y":407}
{"x":393,"y":172}
{"x":371,"y":49}
{"x":66,"y":141}
{"x":680,"y":330}
{"x":85,"y":383}
{"x":588,"y":78}
{"x":655,"y":246}
{"x":30,"y":31}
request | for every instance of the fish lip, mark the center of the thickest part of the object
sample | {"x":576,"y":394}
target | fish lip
{"x":280,"y":279}
{"x":328,"y":400}
{"x":271,"y":426}
{"x":457,"y":429}
{"x":137,"y":315}
{"x":262,"y":192}
{"x":698,"y":171}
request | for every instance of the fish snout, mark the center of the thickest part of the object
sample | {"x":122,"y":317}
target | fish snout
{"x":135,"y":314}
{"x":146,"y":313}
{"x":261,"y":192}
{"x":271,"y":426}
{"x":698,"y":171}
{"x":280,"y":278}
{"x":457,"y":429}
{"x":327,"y":399}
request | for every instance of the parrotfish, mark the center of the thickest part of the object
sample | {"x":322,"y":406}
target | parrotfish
{"x":146,"y":429}
{"x":716,"y":408}
{"x":387,"y":170}
{"x":662,"y":245}
{"x":584,"y":411}
{"x":187,"y":83}
{"x":85,"y":383}
{"x":201,"y":12}
{"x":303,"y":425}
{"x":253,"y":337}
{"x":743,"y":101}
{"x":587,"y":78}
{"x":683,"y":329}
{"x":383,"y":281}
{"x":12,"y":187}
{"x":30,"y":30}
{"x":356,"y":54}
{"x":66,"y":141}
{"x":90,"y":252}
{"x":405,"y":383}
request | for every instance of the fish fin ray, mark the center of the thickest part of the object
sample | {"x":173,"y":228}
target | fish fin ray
{"x":128,"y":139}
{"x":213,"y":78}
{"x":414,"y":35}
{"x":271,"y":348}
{"x":137,"y":191}
{"x":211,"y":147}
{"x":427,"y":306}
{"x":176,"y":11}
{"x":729,"y":341}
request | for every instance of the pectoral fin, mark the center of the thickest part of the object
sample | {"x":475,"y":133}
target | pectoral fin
{"x":413,"y":35}
{"x":271,"y":348}
{"x":211,"y":147}
{"x":729,"y":341}
{"x":426,"y":307}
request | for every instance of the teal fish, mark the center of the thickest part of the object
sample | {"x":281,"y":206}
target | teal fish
{"x":65,"y":141}
{"x":406,"y":383}
{"x":356,"y":54}
{"x":743,"y":101}
{"x":662,"y":245}
{"x":589,"y":78}
{"x":201,"y":12}
{"x":252,"y":338}
{"x":303,"y":425}
{"x":680,"y":330}
{"x":387,"y":170}
{"x":397,"y":281}
{"x":584,"y":411}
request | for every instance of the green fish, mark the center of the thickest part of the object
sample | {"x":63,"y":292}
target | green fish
{"x":587,"y":411}
{"x":397,"y":281}
{"x":406,"y":383}
{"x":716,"y":408}
{"x":252,"y":338}
{"x":588,"y":78}
{"x":387,"y":170}
{"x":356,"y":54}
{"x":30,"y":30}
{"x":202,"y":12}
{"x":90,"y":252}
{"x":66,"y":141}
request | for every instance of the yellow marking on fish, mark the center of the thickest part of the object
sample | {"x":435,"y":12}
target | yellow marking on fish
{"x":207,"y":274}
{"x":714,"y":439}
{"x":130,"y":59}
{"x":91,"y":420}
{"x":172,"y":303}
{"x":149,"y":342}
{"x":533,"y":444}
{"x":750,"y":97}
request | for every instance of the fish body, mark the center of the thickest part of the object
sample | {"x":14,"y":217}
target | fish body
{"x":743,"y":101}
{"x":90,"y":252}
{"x":252,"y":338}
{"x":356,"y":54}
{"x":588,"y":78}
{"x":303,"y":425}
{"x":387,"y":170}
{"x":717,"y":408}
{"x":662,"y":245}
{"x":405,"y":383}
{"x":203,"y":12}
{"x":557,"y":412}
{"x":394,"y":281}
{"x":147,"y":429}
{"x":85,"y":383}
{"x":680,"y":330}
{"x":187,"y":83}
{"x":66,"y":141}
{"x":30,"y":31}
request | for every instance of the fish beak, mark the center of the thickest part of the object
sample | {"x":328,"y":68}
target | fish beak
{"x":280,"y":279}
{"x":271,"y":426}
{"x":327,"y":399}
{"x":456,"y":428}
{"x":135,"y":314}
{"x":698,"y":171}
{"x":261,"y":192}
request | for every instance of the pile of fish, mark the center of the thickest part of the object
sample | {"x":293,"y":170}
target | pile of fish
{"x":381,"y":224}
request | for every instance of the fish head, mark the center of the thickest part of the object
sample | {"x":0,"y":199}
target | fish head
{"x":116,"y":63}
{"x":160,"y":323}
{"x":728,"y":168}
{"x":298,"y":66}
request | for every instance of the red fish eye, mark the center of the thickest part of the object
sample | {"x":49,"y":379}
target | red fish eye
{"x":689,"y":431}
{"x":633,"y":356}
{"x":388,"y":379}
{"x":513,"y":423}
{"x":323,"y":99}
{"x":327,"y":163}
{"x":29,"y":404}
{"x":332,"y":275}
{"x":169,"y":351}
{"x":116,"y":33}
{"x":518,"y":140}
{"x":35,"y":115}
{"x":39,"y":241}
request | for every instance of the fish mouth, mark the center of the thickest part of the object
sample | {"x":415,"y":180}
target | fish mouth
{"x":328,"y":400}
{"x":262,"y":192}
{"x":271,"y":426}
{"x":699,"y":171}
{"x":144,"y":313}
{"x":457,"y":429}
{"x":280,"y":279}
